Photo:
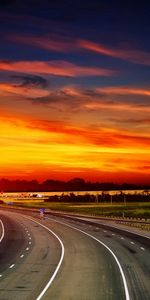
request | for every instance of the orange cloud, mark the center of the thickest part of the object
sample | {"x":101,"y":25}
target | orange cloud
{"x":63,"y":44}
{"x":132,"y":55}
{"x":52,"y":43}
{"x":30,"y":92}
{"x":116,"y":106}
{"x":58,"y":68}
{"x":106,"y":138}
{"x":123,"y":91}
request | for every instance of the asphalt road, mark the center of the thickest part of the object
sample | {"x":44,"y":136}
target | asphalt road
{"x":97,"y":264}
{"x":29,"y":255}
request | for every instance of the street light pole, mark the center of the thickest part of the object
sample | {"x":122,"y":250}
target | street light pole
{"x":124,"y":199}
{"x":111,"y":199}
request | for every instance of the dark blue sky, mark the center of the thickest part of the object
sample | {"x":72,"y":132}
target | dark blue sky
{"x":117,"y":24}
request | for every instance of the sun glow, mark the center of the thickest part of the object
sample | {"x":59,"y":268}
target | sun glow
{"x":25,"y":149}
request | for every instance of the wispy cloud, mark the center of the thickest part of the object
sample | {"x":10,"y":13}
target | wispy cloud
{"x":64,"y":132}
{"x":132,"y":55}
{"x":73,"y":98}
{"x":30,"y":81}
{"x":115,"y":105}
{"x":51,"y":42}
{"x":136,"y":121}
{"x":6,"y":89}
{"x":57,"y":68}
{"x":99,"y":98}
{"x":67,"y":44}
{"x":123,"y":91}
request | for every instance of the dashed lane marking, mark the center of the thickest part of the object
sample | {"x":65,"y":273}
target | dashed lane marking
{"x":59,"y":263}
{"x":127,"y":296}
{"x":11,"y":266}
{"x":142,"y":248}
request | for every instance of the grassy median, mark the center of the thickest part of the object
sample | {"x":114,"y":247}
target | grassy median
{"x":134,"y":210}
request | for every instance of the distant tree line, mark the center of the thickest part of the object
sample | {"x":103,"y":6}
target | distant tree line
{"x":101,"y":198}
{"x":76,"y":184}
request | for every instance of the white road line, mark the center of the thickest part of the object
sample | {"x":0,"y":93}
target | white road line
{"x":113,"y":233}
{"x":3,"y":231}
{"x":142,"y":248}
{"x":11,"y":266}
{"x":60,"y":261}
{"x":132,"y":243}
{"x":124,"y":229}
{"x":122,"y":238}
{"x":22,"y":255}
{"x":27,"y":248}
{"x":113,"y":254}
{"x":1,"y":275}
{"x":30,"y":243}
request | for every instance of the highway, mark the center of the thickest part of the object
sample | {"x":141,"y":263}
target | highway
{"x":61,"y":259}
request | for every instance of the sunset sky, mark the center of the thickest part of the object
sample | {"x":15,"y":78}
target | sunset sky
{"x":75,"y":90}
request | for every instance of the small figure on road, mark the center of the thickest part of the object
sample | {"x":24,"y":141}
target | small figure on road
{"x":42,"y":210}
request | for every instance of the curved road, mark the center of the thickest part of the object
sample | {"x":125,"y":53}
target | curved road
{"x":88,"y":270}
{"x":29,"y":255}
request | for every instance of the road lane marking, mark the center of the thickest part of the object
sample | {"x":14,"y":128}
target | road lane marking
{"x":3,"y":231}
{"x":122,"y":238}
{"x":123,"y":229}
{"x":27,"y":248}
{"x":132,"y":243}
{"x":30,"y":243}
{"x":113,"y":254}
{"x":11,"y":266}
{"x":142,"y":248}
{"x":21,"y":256}
{"x":60,"y":261}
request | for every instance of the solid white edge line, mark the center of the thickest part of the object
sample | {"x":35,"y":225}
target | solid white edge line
{"x":3,"y":231}
{"x":115,"y":257}
{"x":60,"y":261}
